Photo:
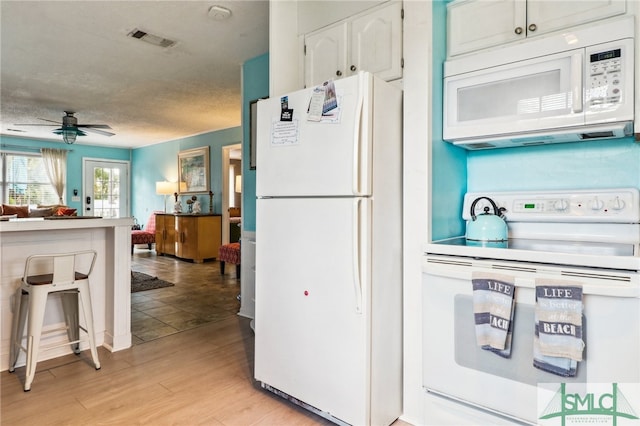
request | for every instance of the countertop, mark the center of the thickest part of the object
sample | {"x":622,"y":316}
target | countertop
{"x":70,"y":222}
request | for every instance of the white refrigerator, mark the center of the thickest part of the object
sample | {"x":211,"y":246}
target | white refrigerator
{"x":328,"y":321}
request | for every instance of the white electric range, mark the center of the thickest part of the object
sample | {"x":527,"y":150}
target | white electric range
{"x":590,"y":238}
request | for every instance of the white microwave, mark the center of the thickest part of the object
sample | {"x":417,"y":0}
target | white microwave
{"x":573,"y":86}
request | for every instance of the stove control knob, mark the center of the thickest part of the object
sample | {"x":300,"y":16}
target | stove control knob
{"x":560,"y":205}
{"x":596,"y":204}
{"x":617,"y":204}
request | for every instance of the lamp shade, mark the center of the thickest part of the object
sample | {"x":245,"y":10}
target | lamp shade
{"x":166,"y":188}
{"x":239,"y":183}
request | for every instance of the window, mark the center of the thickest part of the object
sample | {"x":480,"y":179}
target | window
{"x":24,"y":180}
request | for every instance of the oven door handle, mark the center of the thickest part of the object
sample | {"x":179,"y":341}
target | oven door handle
{"x":592,"y":284}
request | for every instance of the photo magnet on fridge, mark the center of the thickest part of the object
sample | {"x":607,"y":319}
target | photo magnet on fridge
{"x":330,"y":99}
{"x":286,"y":114}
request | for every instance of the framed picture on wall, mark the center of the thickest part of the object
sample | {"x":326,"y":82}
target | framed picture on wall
{"x":253,"y":122}
{"x":193,"y":170}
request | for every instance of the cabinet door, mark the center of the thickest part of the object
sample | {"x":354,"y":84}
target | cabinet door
{"x":213,"y":236}
{"x":478,"y":24}
{"x":165,"y":234}
{"x":325,"y":54}
{"x":544,"y":16}
{"x":376,"y":43}
{"x":187,"y":237}
{"x":159,"y":234}
{"x":169,"y":235}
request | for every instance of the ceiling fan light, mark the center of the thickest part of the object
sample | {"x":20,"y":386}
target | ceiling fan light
{"x":69,"y":136}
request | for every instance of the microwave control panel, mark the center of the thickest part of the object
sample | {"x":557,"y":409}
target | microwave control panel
{"x":605,"y":74}
{"x":606,"y":80}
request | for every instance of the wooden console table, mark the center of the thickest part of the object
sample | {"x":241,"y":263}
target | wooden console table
{"x":189,"y":236}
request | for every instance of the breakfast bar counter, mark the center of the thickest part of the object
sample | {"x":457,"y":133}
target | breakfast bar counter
{"x":110,"y":282}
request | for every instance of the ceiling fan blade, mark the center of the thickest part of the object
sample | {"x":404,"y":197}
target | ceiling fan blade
{"x":101,"y":132}
{"x":36,"y":124}
{"x":51,"y":121}
{"x":96,"y":126}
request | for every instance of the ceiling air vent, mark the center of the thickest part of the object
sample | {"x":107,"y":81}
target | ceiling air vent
{"x":150,"y":38}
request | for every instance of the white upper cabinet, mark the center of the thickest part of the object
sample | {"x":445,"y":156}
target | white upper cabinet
{"x":478,"y":24}
{"x":474,"y":25}
{"x":371,"y":41}
{"x":376,"y":42}
{"x":325,"y":54}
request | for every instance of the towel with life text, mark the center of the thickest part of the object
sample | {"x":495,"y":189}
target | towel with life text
{"x":558,"y":341}
{"x":493,"y":309}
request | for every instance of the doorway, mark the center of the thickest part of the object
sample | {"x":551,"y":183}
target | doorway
{"x":231,"y":192}
{"x":105,"y":188}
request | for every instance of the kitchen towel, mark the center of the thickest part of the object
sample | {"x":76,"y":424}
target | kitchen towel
{"x":558,"y":344}
{"x":493,"y":309}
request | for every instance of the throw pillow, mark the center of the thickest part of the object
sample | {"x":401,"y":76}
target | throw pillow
{"x":65,"y":211}
{"x":21,"y":211}
{"x":40,"y":212}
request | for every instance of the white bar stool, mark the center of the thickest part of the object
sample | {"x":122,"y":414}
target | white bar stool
{"x":68,"y":275}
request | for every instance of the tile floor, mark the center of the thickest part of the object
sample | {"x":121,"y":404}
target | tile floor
{"x":200,"y":295}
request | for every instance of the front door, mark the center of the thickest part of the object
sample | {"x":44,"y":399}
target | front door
{"x":106,"y":188}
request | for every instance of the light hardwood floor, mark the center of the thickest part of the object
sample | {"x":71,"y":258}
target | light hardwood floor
{"x":201,"y":374}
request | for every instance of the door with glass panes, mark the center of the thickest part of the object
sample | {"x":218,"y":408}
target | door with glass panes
{"x":105,"y":193}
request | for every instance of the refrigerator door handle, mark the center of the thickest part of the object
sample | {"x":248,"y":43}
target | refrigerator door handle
{"x":357,"y":276}
{"x":357,"y":142}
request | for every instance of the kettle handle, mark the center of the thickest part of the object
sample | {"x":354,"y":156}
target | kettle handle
{"x":496,"y":210}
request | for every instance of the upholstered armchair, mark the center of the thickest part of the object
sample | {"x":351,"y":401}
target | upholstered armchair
{"x":146,"y":235}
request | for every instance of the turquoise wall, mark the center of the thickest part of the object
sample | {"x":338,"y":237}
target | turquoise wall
{"x":580,"y":165}
{"x":159,"y":162}
{"x":74,"y":159}
{"x":448,"y":164}
{"x":255,"y":85}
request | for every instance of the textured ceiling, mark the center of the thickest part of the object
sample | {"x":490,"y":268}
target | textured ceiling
{"x":75,"y":55}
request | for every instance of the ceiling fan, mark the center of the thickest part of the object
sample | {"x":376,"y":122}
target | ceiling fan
{"x":71,"y":129}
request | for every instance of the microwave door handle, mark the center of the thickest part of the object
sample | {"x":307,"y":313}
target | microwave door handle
{"x":576,"y":82}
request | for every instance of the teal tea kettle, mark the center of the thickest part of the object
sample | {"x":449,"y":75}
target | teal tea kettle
{"x":487,"y":227}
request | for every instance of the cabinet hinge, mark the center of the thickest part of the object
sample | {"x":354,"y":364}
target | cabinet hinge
{"x":401,"y":13}
{"x":305,"y":50}
{"x":401,"y":62}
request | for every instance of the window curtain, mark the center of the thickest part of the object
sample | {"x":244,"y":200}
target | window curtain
{"x":55,"y":161}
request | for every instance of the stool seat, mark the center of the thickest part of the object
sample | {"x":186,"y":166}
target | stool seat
{"x":229,"y":253}
{"x":66,"y":274}
{"x":48,"y":278}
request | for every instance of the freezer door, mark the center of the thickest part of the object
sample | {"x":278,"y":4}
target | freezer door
{"x":310,"y":158}
{"x":312,"y":320}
